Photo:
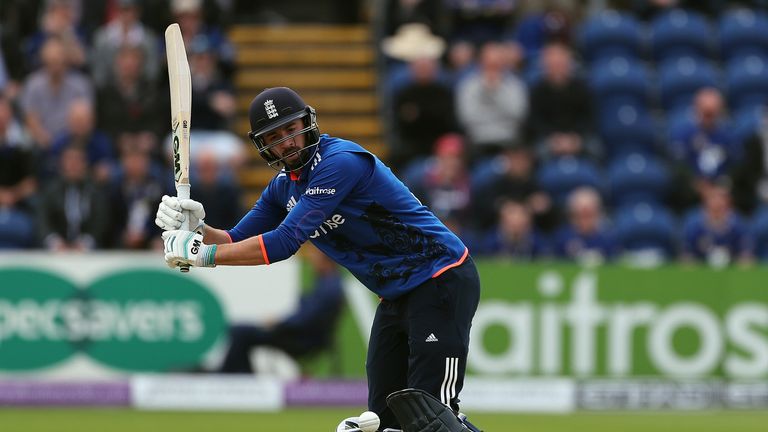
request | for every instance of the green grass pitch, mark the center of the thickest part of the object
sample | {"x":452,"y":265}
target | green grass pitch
{"x":325,"y":420}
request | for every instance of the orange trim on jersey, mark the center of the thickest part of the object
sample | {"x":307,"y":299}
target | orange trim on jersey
{"x":456,"y":264}
{"x":294,"y":176}
{"x":263,"y":250}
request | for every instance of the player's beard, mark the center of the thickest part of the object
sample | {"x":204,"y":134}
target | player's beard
{"x":297,"y":162}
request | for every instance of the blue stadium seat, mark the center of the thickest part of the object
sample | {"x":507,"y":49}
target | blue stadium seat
{"x":620,"y":78}
{"x":678,"y":33}
{"x":743,"y":32}
{"x":747,"y":81}
{"x":626,"y":128}
{"x":760,"y":233}
{"x":559,"y":177}
{"x":747,"y":121}
{"x":637,"y":177}
{"x":680,"y":79}
{"x":646,"y":227}
{"x":611,"y":33}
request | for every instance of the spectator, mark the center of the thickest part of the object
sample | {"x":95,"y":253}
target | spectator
{"x":515,"y":236}
{"x":134,"y":190}
{"x":48,"y":93}
{"x":307,"y":330}
{"x":213,"y":101}
{"x":585,"y":237}
{"x":73,"y":214}
{"x":715,"y":233}
{"x":536,"y":29}
{"x":442,"y":183}
{"x":432,"y":13}
{"x":706,"y":146}
{"x":218,"y":194}
{"x":130,"y":105}
{"x":424,"y":110}
{"x":481,"y":21}
{"x":560,"y":121}
{"x":17,"y":183}
{"x":510,"y":176}
{"x":492,"y":104}
{"x":460,"y":61}
{"x":81,"y":133}
{"x":189,"y":15}
{"x":125,"y":29}
{"x":750,"y":177}
{"x":60,"y":21}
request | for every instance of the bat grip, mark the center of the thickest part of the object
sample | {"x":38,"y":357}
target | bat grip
{"x":182,"y":192}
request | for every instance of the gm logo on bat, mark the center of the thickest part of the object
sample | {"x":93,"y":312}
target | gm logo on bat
{"x":134,"y":320}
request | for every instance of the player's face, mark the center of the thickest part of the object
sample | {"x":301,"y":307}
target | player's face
{"x":290,"y":149}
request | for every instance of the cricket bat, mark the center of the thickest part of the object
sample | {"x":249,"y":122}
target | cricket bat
{"x":180,"y":83}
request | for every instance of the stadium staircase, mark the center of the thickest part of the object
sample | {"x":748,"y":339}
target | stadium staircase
{"x":331,"y":66}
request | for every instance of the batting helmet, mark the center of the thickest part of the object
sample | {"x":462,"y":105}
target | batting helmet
{"x":276,"y":107}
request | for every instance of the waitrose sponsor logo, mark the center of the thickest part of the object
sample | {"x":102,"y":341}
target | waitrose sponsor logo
{"x":141,"y":320}
{"x":579,"y":327}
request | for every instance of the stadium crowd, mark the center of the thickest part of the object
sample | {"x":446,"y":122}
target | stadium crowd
{"x":558,"y":129}
{"x":589,"y":131}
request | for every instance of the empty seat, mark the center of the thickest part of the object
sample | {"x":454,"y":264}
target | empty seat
{"x":646,"y":227}
{"x":559,"y":177}
{"x":637,"y":177}
{"x":620,"y":78}
{"x":743,"y":32}
{"x":609,"y":34}
{"x":626,"y":128}
{"x":680,"y":79}
{"x":747,"y":81}
{"x":679,"y":32}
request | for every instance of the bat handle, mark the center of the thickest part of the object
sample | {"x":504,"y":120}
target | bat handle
{"x":182,"y":192}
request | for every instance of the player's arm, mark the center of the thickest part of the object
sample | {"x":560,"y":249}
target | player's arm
{"x":341,"y":174}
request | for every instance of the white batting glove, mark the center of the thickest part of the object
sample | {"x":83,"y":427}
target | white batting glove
{"x":186,"y":247}
{"x":170,"y":214}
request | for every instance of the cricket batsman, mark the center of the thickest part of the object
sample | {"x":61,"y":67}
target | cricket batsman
{"x":350,"y":205}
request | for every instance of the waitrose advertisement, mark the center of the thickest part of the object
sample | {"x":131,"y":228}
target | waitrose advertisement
{"x":102,"y":315}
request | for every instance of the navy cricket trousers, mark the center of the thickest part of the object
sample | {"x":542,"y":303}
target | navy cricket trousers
{"x":421,"y":339}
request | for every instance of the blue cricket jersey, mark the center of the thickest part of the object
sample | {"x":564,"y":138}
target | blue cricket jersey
{"x":353,"y":208}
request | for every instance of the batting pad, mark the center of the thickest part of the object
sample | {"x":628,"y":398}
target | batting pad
{"x":419,"y":411}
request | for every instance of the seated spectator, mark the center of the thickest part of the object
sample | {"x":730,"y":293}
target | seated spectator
{"x":60,"y":21}
{"x":429,"y":12}
{"x":17,"y":184}
{"x":706,"y":145}
{"x":537,"y":29}
{"x":715,"y":233}
{"x":219,"y":194}
{"x":130,"y":104}
{"x":509,"y":176}
{"x":189,"y":15}
{"x":134,"y":190}
{"x":560,"y":121}
{"x":442,"y":182}
{"x":585,"y":238}
{"x":460,"y":61}
{"x":81,"y":133}
{"x":515,"y":236}
{"x":307,"y":330}
{"x":48,"y":93}
{"x":213,"y":100}
{"x":72,"y":212}
{"x":750,"y":177}
{"x":492,"y":104}
{"x":481,"y":21}
{"x":423,"y":111}
{"x":125,"y":29}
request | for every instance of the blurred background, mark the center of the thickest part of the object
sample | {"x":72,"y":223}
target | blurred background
{"x":606,"y":162}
